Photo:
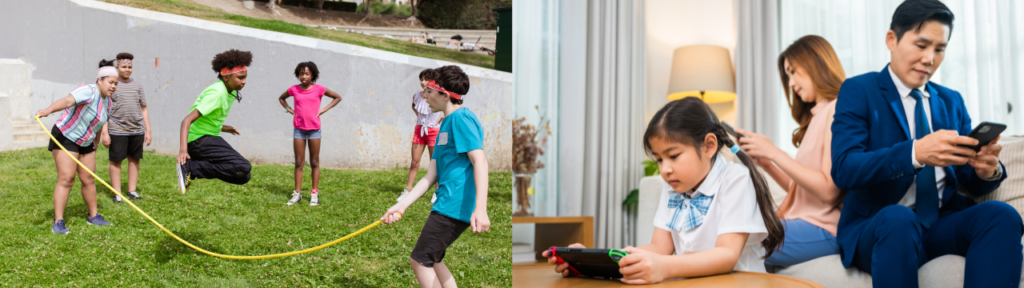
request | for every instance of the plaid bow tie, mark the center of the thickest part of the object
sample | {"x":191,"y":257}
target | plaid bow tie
{"x":688,"y":213}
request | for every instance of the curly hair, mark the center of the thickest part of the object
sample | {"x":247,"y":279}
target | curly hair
{"x":452,"y":78}
{"x":231,"y":58}
{"x":315,"y":73}
{"x":125,"y":55}
{"x":106,"y":62}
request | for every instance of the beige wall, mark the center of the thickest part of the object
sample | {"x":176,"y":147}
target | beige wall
{"x":675,"y":23}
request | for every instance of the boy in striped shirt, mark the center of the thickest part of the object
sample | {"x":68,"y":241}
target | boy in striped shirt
{"x":128,"y":127}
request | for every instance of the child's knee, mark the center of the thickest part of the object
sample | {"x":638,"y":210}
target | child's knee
{"x":314,"y":163}
{"x":66,"y":181}
{"x":86,"y":180}
{"x":415,"y":163}
{"x":299,"y":164}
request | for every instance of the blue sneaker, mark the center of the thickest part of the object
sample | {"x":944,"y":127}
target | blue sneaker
{"x":59,"y":227}
{"x":98,"y":220}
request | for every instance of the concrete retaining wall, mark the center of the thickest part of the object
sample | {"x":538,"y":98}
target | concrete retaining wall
{"x":63,"y":41}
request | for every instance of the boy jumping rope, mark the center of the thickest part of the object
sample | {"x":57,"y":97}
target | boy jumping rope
{"x":459,"y":167}
{"x":128,"y":127}
{"x":202,"y":152}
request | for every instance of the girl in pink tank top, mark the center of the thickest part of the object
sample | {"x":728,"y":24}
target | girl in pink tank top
{"x":307,"y":113}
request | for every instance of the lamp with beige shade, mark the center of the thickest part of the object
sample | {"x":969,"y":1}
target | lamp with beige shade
{"x":703,"y":71}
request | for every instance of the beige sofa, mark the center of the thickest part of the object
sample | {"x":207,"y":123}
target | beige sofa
{"x":945,"y":271}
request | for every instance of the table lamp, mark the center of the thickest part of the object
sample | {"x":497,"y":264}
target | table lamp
{"x":703,"y":71}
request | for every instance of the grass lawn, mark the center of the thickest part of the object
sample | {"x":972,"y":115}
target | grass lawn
{"x":251,"y":219}
{"x":186,"y":8}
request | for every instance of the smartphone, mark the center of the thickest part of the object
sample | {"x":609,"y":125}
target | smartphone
{"x":728,"y":129}
{"x":985,"y":133}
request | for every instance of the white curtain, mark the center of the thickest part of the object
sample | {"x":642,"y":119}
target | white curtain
{"x":984,"y":60}
{"x":535,"y":39}
{"x":614,"y":112}
{"x":757,"y":84}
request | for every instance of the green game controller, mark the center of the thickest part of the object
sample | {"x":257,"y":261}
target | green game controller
{"x":617,"y":254}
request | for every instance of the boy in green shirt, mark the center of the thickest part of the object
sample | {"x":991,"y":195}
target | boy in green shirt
{"x":202,"y":152}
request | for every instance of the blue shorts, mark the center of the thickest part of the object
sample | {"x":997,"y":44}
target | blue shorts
{"x":307,"y":134}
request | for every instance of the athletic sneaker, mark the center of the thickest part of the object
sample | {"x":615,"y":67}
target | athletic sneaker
{"x":433,"y":199}
{"x":184,"y":178}
{"x":314,"y":199}
{"x":404,"y":192}
{"x":98,"y":220}
{"x":296,"y":197}
{"x":117,"y":199}
{"x":134,"y":195}
{"x":59,"y":228}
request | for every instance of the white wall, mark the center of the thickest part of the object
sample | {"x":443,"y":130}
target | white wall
{"x":675,"y":23}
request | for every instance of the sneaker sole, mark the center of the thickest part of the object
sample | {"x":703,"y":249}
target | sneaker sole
{"x":55,"y":232}
{"x":181,"y":182}
{"x":90,"y":223}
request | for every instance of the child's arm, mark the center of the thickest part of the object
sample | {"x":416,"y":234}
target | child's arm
{"x":145,"y":119}
{"x":479,"y":220}
{"x":183,"y":144}
{"x":285,"y":104}
{"x":645,"y":267}
{"x":63,"y":103}
{"x":395,"y":212}
{"x":337,"y":99}
{"x":105,"y":136}
{"x":661,"y":243}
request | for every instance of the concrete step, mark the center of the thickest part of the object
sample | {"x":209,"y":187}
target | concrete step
{"x":30,"y":136}
{"x":18,"y":145}
{"x":26,"y":127}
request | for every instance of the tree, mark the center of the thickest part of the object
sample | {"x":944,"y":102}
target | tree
{"x":413,"y":3}
{"x":320,"y":6}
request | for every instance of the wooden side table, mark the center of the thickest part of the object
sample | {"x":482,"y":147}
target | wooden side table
{"x":545,"y":276}
{"x":559,"y":231}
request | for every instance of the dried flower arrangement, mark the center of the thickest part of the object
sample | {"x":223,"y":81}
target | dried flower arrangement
{"x":526,"y":147}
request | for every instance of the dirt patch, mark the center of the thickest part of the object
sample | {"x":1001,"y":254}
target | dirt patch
{"x":309,"y":16}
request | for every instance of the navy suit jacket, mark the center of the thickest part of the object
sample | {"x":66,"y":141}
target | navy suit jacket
{"x":871,"y":152}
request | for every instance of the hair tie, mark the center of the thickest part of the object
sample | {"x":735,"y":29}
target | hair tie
{"x":229,"y":71}
{"x":735,"y":149}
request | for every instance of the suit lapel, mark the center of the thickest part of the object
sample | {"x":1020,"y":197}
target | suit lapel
{"x":892,"y":96}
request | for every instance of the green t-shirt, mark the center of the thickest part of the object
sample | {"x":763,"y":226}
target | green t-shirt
{"x":214,"y":104}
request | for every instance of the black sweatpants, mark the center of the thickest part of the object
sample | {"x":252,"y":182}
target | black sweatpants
{"x":213,"y":158}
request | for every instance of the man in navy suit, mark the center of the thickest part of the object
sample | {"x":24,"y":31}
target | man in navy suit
{"x":895,"y":153}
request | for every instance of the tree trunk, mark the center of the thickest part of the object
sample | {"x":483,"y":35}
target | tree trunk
{"x":320,"y":6}
{"x":413,"y":4}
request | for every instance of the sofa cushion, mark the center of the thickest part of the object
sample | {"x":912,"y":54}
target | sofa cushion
{"x":945,"y":271}
{"x":1011,"y":190}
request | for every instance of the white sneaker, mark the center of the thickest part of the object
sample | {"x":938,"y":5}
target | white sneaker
{"x":314,"y":199}
{"x":296,"y":196}
{"x":433,"y":199}
{"x":404,"y":193}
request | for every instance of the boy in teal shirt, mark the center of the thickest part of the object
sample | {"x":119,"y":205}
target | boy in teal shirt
{"x":459,"y":167}
{"x":202,"y":152}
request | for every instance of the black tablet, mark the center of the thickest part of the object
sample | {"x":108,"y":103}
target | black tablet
{"x":597,"y":263}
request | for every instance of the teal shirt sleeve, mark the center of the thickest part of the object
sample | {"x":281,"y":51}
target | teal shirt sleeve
{"x":468,"y":134}
{"x":83,"y":94}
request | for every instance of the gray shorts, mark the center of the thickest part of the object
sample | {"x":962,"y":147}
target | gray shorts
{"x":306,"y":134}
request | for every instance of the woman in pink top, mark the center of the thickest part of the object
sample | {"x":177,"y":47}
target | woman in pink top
{"x":810,"y":69}
{"x":307,"y":125}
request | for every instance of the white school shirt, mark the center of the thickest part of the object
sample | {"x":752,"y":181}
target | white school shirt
{"x":733,"y":210}
{"x":909,"y":105}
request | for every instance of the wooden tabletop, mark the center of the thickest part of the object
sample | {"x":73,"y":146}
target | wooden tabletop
{"x":545,"y":276}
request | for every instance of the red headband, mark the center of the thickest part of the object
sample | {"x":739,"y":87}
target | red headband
{"x":226,"y":71}
{"x":433,"y":85}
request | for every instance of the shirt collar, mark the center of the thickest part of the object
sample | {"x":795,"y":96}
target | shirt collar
{"x":711,"y":183}
{"x":903,"y":89}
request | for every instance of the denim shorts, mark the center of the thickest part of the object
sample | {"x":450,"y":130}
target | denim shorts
{"x":307,"y":134}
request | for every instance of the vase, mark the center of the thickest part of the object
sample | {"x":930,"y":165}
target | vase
{"x":524,"y":195}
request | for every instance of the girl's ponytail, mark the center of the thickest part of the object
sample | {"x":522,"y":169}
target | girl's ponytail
{"x":764,"y":198}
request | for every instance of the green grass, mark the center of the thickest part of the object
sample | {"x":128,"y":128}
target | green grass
{"x":250,"y":219}
{"x":190,"y":9}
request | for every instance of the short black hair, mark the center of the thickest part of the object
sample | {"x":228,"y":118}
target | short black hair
{"x":427,"y":74}
{"x":312,"y":70}
{"x":452,"y":78}
{"x":125,"y":55}
{"x":912,"y":14}
{"x":230,"y":59}
{"x":457,"y":37}
{"x":106,"y":62}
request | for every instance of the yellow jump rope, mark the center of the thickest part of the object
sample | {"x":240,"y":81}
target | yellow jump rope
{"x":214,"y":254}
